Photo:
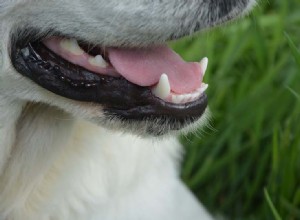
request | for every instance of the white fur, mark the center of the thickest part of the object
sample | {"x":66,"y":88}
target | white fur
{"x":54,"y":164}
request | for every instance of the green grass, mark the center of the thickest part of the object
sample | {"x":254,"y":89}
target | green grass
{"x":247,"y":164}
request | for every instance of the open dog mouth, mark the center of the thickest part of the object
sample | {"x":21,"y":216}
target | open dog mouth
{"x":130,"y":83}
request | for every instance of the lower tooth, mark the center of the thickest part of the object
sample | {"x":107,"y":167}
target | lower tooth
{"x":203,"y":88}
{"x":187,"y":98}
{"x":183,"y":98}
{"x":194,"y":97}
{"x":176,"y":99}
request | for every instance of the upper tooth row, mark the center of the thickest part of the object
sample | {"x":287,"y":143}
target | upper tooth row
{"x":98,"y":61}
{"x":163,"y":88}
{"x":71,"y":45}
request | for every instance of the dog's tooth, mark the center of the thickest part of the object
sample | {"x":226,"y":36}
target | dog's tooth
{"x":203,"y":64}
{"x":199,"y":93}
{"x":177,"y":99}
{"x":194,"y":97}
{"x":72,"y":46}
{"x":188,"y":97}
{"x":98,"y":61}
{"x":163,"y":88}
{"x":184,"y":98}
{"x":203,"y":88}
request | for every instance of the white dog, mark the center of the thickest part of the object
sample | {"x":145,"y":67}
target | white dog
{"x":84,"y":85}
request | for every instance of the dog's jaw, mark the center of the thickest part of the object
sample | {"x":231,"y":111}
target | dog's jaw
{"x":159,"y":28}
{"x":120,"y":99}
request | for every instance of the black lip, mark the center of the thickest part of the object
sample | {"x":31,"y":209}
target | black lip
{"x":118,"y":96}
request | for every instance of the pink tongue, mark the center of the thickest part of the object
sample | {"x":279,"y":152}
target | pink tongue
{"x":145,"y":66}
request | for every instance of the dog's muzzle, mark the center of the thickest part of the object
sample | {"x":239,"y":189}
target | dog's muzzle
{"x":139,"y":84}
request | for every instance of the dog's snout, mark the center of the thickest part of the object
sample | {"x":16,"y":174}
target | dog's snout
{"x":134,"y":23}
{"x":169,"y":20}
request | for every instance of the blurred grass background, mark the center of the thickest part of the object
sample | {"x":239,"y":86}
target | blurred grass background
{"x":247,"y":164}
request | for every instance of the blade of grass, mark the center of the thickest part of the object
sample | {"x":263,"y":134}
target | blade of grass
{"x":294,"y":49}
{"x":271,"y":205}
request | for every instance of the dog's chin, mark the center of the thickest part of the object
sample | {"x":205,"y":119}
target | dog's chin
{"x":153,"y":127}
{"x":126,"y":106}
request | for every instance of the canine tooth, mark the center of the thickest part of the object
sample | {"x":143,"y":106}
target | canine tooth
{"x":163,"y":88}
{"x":98,"y":61}
{"x":203,"y":64}
{"x":72,"y":46}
